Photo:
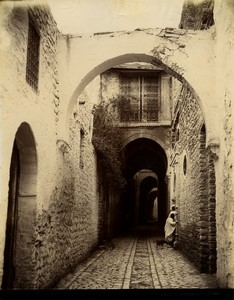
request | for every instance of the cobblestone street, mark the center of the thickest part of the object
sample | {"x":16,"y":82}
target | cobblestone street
{"x":136,"y":262}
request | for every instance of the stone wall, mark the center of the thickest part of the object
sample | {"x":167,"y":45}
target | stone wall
{"x":68,"y":230}
{"x":193,"y":174}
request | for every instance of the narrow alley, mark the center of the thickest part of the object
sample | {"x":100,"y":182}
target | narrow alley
{"x":135,"y":261}
{"x":107,"y":139}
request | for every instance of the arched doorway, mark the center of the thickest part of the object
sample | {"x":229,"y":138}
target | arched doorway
{"x":146,"y":166}
{"x":19,"y":265}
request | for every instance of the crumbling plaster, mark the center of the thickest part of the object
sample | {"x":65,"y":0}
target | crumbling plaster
{"x":182,"y":53}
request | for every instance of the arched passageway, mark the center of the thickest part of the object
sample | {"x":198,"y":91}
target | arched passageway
{"x":147,"y":197}
{"x":19,"y":264}
{"x":145,"y":170}
{"x":146,"y":166}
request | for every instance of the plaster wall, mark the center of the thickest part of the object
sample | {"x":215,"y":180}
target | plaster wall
{"x":19,"y":103}
{"x":65,"y":220}
{"x":224,"y":94}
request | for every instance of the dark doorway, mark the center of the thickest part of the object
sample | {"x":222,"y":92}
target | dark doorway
{"x":146,"y":199}
{"x":19,"y":253}
{"x":145,"y":156}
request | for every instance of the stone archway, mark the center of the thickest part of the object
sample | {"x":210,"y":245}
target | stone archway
{"x":87,"y":58}
{"x":145,"y":158}
{"x":19,"y":265}
{"x":153,"y":59}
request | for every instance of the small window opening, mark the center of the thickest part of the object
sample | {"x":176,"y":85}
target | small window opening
{"x":32,"y":67}
{"x":185,"y":165}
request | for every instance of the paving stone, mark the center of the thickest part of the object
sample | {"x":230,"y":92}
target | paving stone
{"x":137,"y":263}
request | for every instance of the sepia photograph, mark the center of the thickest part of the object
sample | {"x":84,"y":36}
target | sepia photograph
{"x":116,"y":156}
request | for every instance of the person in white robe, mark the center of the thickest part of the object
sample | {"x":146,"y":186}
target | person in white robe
{"x":169,"y":228}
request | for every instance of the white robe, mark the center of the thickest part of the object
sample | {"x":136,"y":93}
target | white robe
{"x":169,"y":229}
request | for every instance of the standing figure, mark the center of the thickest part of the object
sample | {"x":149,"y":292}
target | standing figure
{"x":169,"y":228}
